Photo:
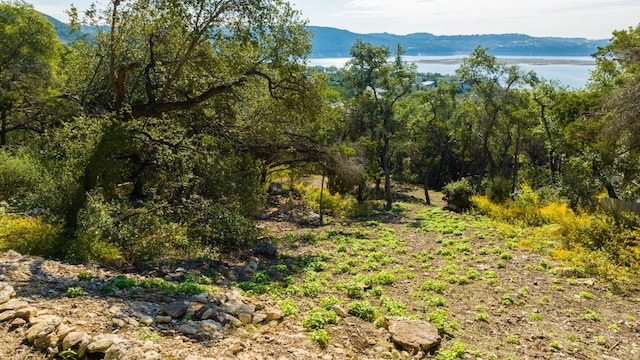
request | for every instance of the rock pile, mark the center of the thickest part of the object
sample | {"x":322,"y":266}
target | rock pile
{"x":205,"y":317}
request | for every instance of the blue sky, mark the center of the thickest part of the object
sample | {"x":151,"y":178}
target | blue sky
{"x":593,"y":19}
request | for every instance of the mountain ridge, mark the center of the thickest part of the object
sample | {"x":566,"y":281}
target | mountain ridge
{"x":331,"y":42}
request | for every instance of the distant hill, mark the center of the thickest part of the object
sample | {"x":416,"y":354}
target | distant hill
{"x":332,"y":42}
{"x":65,"y":34}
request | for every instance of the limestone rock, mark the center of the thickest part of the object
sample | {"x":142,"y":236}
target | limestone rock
{"x":175,"y":310}
{"x":210,"y":327}
{"x":412,"y":335}
{"x":130,"y":350}
{"x":234,"y":321}
{"x":13,"y":304}
{"x":39,"y":330}
{"x":188,"y":329}
{"x":26,"y":312}
{"x":74,"y":338}
{"x":258,"y":318}
{"x":238,"y":307}
{"x":46,"y":338}
{"x":18,"y":322}
{"x":202,"y":298}
{"x":246,"y":318}
{"x":196,"y":357}
{"x":102,"y":343}
{"x":339,"y":310}
{"x":7,"y":315}
{"x":146,"y":320}
{"x":119,"y":323}
{"x":163,"y":319}
{"x":6,"y":292}
{"x":47,"y":319}
{"x":273,"y":314}
{"x":208,"y":314}
{"x":63,"y":330}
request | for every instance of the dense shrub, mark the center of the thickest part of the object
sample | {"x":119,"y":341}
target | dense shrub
{"x":29,"y":235}
{"x":591,"y":243}
{"x":497,"y":189}
{"x":615,"y":234}
{"x":332,"y":203}
{"x":19,"y":174}
{"x":217,"y":225}
{"x":458,"y":195}
{"x":527,"y":208}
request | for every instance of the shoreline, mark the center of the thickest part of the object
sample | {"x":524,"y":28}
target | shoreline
{"x":513,"y":61}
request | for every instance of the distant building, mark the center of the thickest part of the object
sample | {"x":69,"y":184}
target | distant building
{"x":429,"y":84}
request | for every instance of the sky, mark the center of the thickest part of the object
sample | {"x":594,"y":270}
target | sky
{"x":592,"y":19}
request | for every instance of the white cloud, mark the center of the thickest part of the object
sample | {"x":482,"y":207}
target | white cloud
{"x":576,"y":18}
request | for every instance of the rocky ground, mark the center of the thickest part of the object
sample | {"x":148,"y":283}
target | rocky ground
{"x":52,"y":309}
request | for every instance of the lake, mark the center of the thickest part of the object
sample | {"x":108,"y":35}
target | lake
{"x":571,"y":71}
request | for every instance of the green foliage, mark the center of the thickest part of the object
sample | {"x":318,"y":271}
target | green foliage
{"x":28,"y":72}
{"x":440,"y":319}
{"x":188,"y":287}
{"x":318,"y":318}
{"x":497,"y":189}
{"x":458,"y":194}
{"x":28,"y":235}
{"x":363,"y":310}
{"x":320,"y":337}
{"x":258,"y":284}
{"x":19,"y":175}
{"x":433,"y":285}
{"x":288,"y":307}
{"x":457,"y":351}
{"x":222,"y":226}
{"x":75,"y":291}
{"x":84,"y":276}
{"x":482,"y":316}
{"x":328,"y":302}
{"x":394,"y":308}
{"x":68,"y":354}
{"x":385,"y":277}
{"x":590,"y":315}
{"x":332,"y":203}
{"x":146,"y":334}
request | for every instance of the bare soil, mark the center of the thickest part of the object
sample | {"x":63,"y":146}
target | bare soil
{"x":520,"y":306}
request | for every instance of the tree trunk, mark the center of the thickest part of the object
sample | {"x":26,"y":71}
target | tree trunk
{"x":360,"y":193}
{"x":516,"y":161}
{"x":387,"y":172}
{"x":3,"y":129}
{"x":321,"y":198}
{"x":427,"y":199}
{"x":552,"y":148}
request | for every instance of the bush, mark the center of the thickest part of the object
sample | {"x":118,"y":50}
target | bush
{"x":363,"y":310}
{"x":219,"y":225}
{"x":616,"y":235}
{"x":332,"y":203}
{"x":497,"y":189}
{"x":458,"y":195}
{"x":526,"y":208}
{"x":318,"y":318}
{"x":19,"y":174}
{"x":107,"y":230}
{"x":28,"y":235}
{"x":320,"y":337}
